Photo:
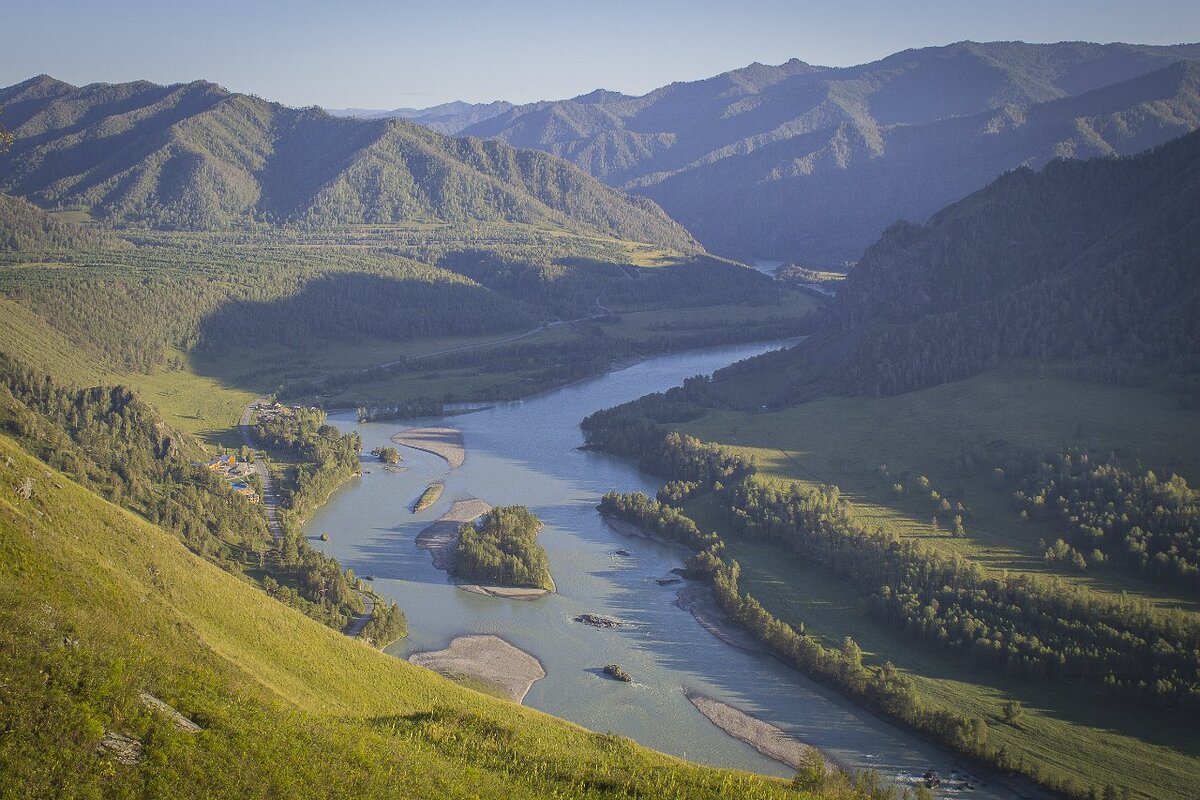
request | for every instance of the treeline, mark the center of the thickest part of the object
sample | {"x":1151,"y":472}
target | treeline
{"x":1028,"y":626}
{"x":109,"y":440}
{"x":502,"y":550}
{"x":1149,"y":525}
{"x":659,"y":519}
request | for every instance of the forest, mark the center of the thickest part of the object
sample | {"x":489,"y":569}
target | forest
{"x":501,"y":549}
{"x":1147,"y":524}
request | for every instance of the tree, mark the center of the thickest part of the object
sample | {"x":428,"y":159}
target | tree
{"x":810,"y":772}
{"x":6,"y":139}
{"x":1011,"y":711}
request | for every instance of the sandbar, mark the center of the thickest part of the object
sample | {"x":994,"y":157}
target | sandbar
{"x":446,"y":443}
{"x":764,"y":737}
{"x":489,"y":659}
{"x":441,"y":537}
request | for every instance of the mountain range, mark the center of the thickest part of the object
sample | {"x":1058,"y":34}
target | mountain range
{"x":804,"y":163}
{"x":449,"y":118}
{"x":197,"y":156}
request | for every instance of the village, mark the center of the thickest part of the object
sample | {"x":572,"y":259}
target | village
{"x":238,"y":470}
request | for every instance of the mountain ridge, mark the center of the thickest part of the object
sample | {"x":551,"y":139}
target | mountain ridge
{"x":196,"y":156}
{"x":1086,"y":265}
{"x":669,"y":144}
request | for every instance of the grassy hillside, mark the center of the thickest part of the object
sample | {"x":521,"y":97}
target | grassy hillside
{"x":99,"y":606}
{"x":196,"y":156}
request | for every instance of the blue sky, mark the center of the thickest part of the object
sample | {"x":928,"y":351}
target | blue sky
{"x":389,"y":54}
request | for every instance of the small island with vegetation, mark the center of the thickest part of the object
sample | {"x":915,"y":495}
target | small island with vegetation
{"x":615,"y":672}
{"x":388,"y":455}
{"x":502,"y":551}
{"x":431,"y":495}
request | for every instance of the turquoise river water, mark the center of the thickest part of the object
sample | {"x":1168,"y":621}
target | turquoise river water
{"x":527,"y":453}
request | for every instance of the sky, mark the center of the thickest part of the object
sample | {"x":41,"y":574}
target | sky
{"x":384,"y":55}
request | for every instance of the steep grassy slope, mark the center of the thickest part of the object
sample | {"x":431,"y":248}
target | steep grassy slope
{"x":199,"y":157}
{"x":811,"y":163}
{"x":99,"y":606}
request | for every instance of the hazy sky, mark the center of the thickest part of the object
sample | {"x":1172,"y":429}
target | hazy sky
{"x":389,"y":54}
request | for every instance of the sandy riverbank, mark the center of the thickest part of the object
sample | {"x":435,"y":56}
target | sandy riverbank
{"x":505,"y":592}
{"x":440,"y":537}
{"x":488,"y":659}
{"x":629,"y":529}
{"x":446,"y":443}
{"x":700,"y":603}
{"x":764,"y":737}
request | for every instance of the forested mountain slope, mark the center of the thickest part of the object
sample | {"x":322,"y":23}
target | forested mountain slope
{"x":808,"y":163}
{"x":1093,"y":264}
{"x":197,"y":156}
{"x":24,"y":226}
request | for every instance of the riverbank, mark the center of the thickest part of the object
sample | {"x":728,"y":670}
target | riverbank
{"x":441,"y":536}
{"x":487,"y":659}
{"x":702,"y":605}
{"x":629,"y":529}
{"x":772,"y":742}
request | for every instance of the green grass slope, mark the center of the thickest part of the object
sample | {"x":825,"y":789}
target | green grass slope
{"x":97,"y":605}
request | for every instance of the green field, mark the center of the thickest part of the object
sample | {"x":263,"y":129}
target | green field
{"x":100,"y":605}
{"x":844,"y":440}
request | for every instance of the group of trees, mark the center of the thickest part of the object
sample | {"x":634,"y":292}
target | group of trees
{"x":502,"y":550}
{"x":109,"y":440}
{"x":1149,"y":524}
{"x":1026,"y":625}
{"x":324,"y":458}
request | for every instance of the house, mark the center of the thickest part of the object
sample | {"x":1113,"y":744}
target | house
{"x":222,"y":462}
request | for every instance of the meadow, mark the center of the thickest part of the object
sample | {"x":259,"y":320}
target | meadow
{"x":845,"y":441}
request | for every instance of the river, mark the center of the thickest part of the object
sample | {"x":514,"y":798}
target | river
{"x":527,"y":453}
